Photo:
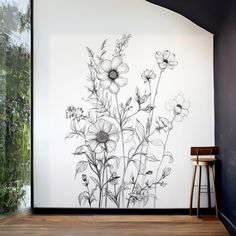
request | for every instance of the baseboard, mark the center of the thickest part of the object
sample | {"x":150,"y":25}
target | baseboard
{"x":228,"y":224}
{"x":109,"y":211}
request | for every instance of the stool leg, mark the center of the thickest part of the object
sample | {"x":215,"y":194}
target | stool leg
{"x":216,"y":206}
{"x":208,"y":188}
{"x":199,"y":190}
{"x":192,"y":189}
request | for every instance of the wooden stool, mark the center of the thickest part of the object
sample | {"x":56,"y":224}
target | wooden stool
{"x":208,"y":162}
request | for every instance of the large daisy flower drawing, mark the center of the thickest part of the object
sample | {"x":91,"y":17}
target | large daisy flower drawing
{"x":102,"y":136}
{"x":110,"y":75}
{"x":166,"y":60}
{"x":179,"y":106}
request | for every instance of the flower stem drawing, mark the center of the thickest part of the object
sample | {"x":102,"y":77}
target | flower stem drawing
{"x":117,"y":136}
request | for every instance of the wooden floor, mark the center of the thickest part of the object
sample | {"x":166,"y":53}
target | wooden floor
{"x":27,"y":224}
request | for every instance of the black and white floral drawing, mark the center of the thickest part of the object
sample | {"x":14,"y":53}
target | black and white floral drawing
{"x":114,"y":178}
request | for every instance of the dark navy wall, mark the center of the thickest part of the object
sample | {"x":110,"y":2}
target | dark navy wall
{"x":225,"y":113}
{"x":219,"y":17}
{"x":205,"y":13}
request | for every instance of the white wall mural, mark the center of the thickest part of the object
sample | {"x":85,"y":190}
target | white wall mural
{"x":115,"y":113}
{"x":123,"y":175}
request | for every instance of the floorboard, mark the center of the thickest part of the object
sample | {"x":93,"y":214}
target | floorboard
{"x":109,"y":225}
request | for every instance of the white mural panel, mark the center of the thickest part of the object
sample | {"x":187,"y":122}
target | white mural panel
{"x":122,"y":89}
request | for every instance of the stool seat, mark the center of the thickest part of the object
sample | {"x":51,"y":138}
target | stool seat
{"x":203,"y":161}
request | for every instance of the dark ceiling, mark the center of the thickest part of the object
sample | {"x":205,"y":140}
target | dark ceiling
{"x":206,"y":13}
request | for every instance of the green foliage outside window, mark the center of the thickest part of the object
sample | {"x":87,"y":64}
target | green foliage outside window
{"x":14,"y":107}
